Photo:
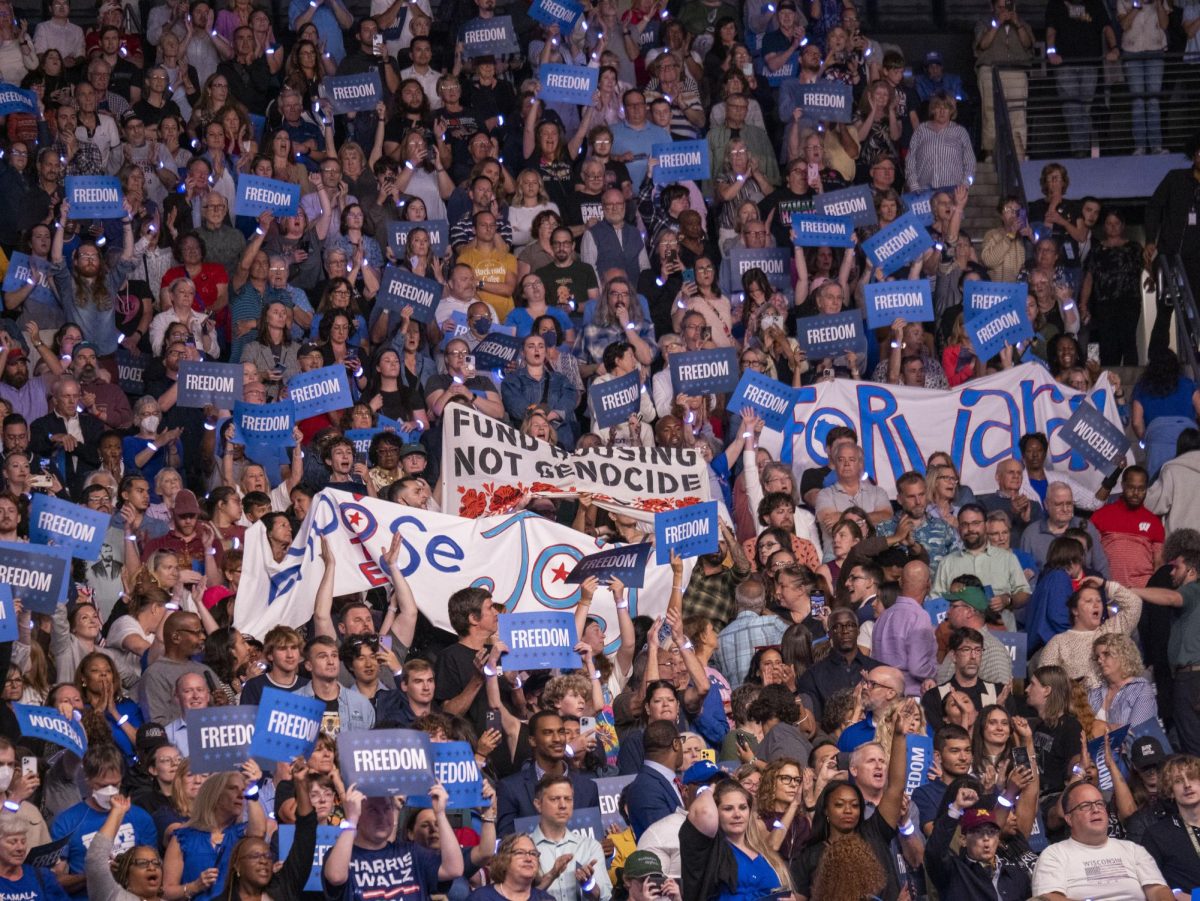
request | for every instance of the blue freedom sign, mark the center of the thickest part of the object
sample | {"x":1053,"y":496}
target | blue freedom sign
{"x":898,"y":244}
{"x":1017,"y":644}
{"x":829,"y":336}
{"x":587,"y":820}
{"x":1095,"y":749}
{"x":353,"y":93}
{"x":37,"y":574}
{"x":257,"y":195}
{"x":320,"y":391}
{"x":857,"y":203}
{"x":609,"y":788}
{"x":1102,"y":444}
{"x":567,"y":84}
{"x":17,"y":100}
{"x":770,"y":398}
{"x":23,"y":270}
{"x":539,"y":641}
{"x":202,"y":382}
{"x":626,"y":562}
{"x":713,"y":371}
{"x":563,"y":13}
{"x":827,"y":101}
{"x":75,"y":529}
{"x":937,"y":608}
{"x":96,"y":197}
{"x":48,"y":855}
{"x":979,"y":297}
{"x":326,"y":836}
{"x":362,"y":442}
{"x":387,"y":761}
{"x":264,"y":423}
{"x":131,"y":368}
{"x":219,"y":738}
{"x":615,"y":400}
{"x":810,"y":230}
{"x":437,"y":229}
{"x":287,"y":725}
{"x":496,"y":351}
{"x":8,"y":615}
{"x":680,"y":161}
{"x":775,"y":262}
{"x":490,"y":37}
{"x":400,"y":288}
{"x":688,"y":531}
{"x":889,"y":301}
{"x":49,"y":725}
{"x":455,"y":768}
{"x":920,"y":204}
{"x":918,"y":758}
{"x":776,"y":77}
{"x":1006,"y":322}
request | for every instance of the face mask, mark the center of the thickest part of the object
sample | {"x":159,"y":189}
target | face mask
{"x":772,"y":320}
{"x":150,"y":424}
{"x":482,"y":325}
{"x":6,"y":774}
{"x":104,"y":796}
{"x":551,"y":338}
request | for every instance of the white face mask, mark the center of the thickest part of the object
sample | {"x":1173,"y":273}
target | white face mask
{"x":150,"y":424}
{"x":6,"y":775}
{"x":104,"y":796}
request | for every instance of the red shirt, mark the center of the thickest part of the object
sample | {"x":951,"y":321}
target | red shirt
{"x":1130,"y":537}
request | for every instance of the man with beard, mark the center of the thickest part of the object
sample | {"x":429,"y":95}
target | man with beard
{"x":710,"y":591}
{"x":15,"y":431}
{"x":566,"y":277}
{"x":88,"y":288}
{"x":26,"y":396}
{"x":613,"y":243}
{"x":190,"y":538}
{"x":104,"y":400}
{"x":69,"y":438}
{"x":932,"y":533}
{"x":994,"y":566}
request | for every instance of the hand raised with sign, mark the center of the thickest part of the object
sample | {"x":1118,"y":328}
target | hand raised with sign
{"x":353,"y":801}
{"x":438,"y":798}
{"x":588,"y":589}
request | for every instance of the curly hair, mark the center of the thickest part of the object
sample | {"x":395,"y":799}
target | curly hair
{"x":1123,"y":648}
{"x":883,"y":732}
{"x":502,"y":860}
{"x":561,"y":686}
{"x":765,"y":799}
{"x":849,"y":871}
{"x":836,"y":712}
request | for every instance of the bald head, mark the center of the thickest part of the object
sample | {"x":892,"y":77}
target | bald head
{"x":914,"y":580}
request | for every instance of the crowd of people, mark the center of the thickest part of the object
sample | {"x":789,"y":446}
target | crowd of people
{"x":767,"y":719}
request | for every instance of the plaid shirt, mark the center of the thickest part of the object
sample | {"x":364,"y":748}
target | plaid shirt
{"x":737,"y":642}
{"x":87,"y":159}
{"x":935,"y":535}
{"x":712,"y":596}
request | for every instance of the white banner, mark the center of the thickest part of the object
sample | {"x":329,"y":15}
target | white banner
{"x":979,"y":424}
{"x":526,"y":560}
{"x":487,"y":465}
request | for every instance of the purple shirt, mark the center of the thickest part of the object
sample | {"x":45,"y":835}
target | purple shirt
{"x":904,"y":639}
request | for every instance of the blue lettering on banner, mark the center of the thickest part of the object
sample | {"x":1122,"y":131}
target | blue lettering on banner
{"x":898,"y":244}
{"x":400,"y":288}
{"x":918,"y":759}
{"x":49,"y":725}
{"x":455,"y":768}
{"x":8,"y":615}
{"x":775,"y":262}
{"x":1017,"y":644}
{"x":770,"y":398}
{"x":920,"y":204}
{"x":219,"y":738}
{"x":809,"y":230}
{"x":615,"y":400}
{"x":320,"y":391}
{"x":858,"y":203}
{"x":387,"y":761}
{"x":539,"y":641}
{"x":979,"y":297}
{"x":712,"y":371}
{"x":490,"y":37}
{"x":17,"y":100}
{"x":287,"y":725}
{"x":71,"y":527}
{"x":257,"y":195}
{"x":37,"y":574}
{"x":96,"y":197}
{"x":937,"y":608}
{"x":680,"y":161}
{"x":264,"y":423}
{"x":353,"y":93}
{"x":688,"y":531}
{"x":496,"y":351}
{"x":626,"y":562}
{"x":567,"y":84}
{"x":829,"y":336}
{"x":827,"y":101}
{"x":1097,"y":440}
{"x":1006,"y":322}
{"x":563,"y":13}
{"x":326,"y":836}
{"x":588,"y":820}
{"x":437,"y":229}
{"x":202,"y":383}
{"x":889,"y":301}
{"x":609,"y":789}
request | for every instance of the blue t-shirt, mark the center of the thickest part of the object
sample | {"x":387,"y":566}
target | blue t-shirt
{"x":929,"y":798}
{"x":131,"y":446}
{"x":1177,"y":403}
{"x":31,"y":887}
{"x":397,"y":870}
{"x":520,"y":319}
{"x":196,"y":848}
{"x":82,"y":823}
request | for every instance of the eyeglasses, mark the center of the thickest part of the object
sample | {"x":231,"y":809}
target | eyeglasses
{"x":146,"y":863}
{"x":871,"y":685}
{"x":1089,"y":806}
{"x":971,"y":651}
{"x":524,"y":852}
{"x":788,"y":780}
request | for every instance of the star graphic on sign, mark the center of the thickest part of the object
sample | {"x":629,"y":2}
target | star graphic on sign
{"x":560,"y":573}
{"x":354,"y":518}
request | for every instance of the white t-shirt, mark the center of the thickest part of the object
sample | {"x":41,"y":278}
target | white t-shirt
{"x":1114,"y":871}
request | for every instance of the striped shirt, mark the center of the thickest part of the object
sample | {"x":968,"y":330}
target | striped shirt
{"x":939,"y":159}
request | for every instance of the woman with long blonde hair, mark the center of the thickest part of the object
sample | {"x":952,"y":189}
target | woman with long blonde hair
{"x":723,"y":822}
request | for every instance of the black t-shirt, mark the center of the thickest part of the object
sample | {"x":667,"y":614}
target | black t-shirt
{"x":877,"y":833}
{"x":1055,"y":746}
{"x":455,"y":668}
{"x":784,"y":202}
{"x":1078,"y":27}
{"x":565,"y":282}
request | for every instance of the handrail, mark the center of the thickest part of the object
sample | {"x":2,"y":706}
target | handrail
{"x":1008,"y":163}
{"x":1172,"y":278}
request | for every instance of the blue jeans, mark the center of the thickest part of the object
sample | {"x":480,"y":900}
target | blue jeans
{"x":1144,"y":72}
{"x":1076,"y":89}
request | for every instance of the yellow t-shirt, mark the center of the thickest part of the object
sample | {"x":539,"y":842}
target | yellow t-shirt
{"x":491,"y":266}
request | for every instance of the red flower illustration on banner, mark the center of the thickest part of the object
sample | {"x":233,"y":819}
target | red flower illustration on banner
{"x":473,"y":503}
{"x":505,"y":497}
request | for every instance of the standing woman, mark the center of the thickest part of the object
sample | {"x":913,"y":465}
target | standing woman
{"x":547,"y":152}
{"x":1143,"y":45}
{"x":992,"y":741}
{"x":530,"y":200}
{"x":1056,"y":735}
{"x":725,"y":852}
{"x":133,"y":875}
{"x":705,"y":297}
{"x":941,"y":484}
{"x":740,"y":180}
{"x":17,"y":55}
{"x":780,"y":799}
{"x":1111,"y":297}
{"x":877,"y":126}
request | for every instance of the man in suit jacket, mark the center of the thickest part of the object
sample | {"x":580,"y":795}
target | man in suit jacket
{"x":548,"y":741}
{"x":65,"y":429}
{"x":654,"y":793}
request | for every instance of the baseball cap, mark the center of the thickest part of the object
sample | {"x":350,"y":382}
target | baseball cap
{"x":409,"y":449}
{"x":977,"y":818}
{"x":702,"y":771}
{"x":640,"y":864}
{"x":308,"y":348}
{"x":971,"y":596}
{"x":933,"y":58}
{"x":150,"y":737}
{"x":16,"y":353}
{"x":131,"y":115}
{"x":1146,"y":752}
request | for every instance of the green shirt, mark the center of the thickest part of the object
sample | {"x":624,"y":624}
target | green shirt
{"x":1183,"y":649}
{"x":995,"y":567}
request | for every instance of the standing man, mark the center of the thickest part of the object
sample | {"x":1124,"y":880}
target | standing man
{"x":572,"y":860}
{"x":841,"y":668}
{"x":1060,"y":516}
{"x":1076,"y":33}
{"x":904,"y":634}
{"x":344,"y":709}
{"x":473,"y":615}
{"x":183,"y":638}
{"x":751,"y":629}
{"x":516,"y":794}
{"x":1009,"y":497}
{"x":995,"y":566}
{"x":637,"y":136}
{"x":612,"y":243}
{"x":851,"y":490}
{"x":1173,"y":226}
{"x":1132,"y":536}
{"x":966,"y":652}
{"x":1004,"y":41}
